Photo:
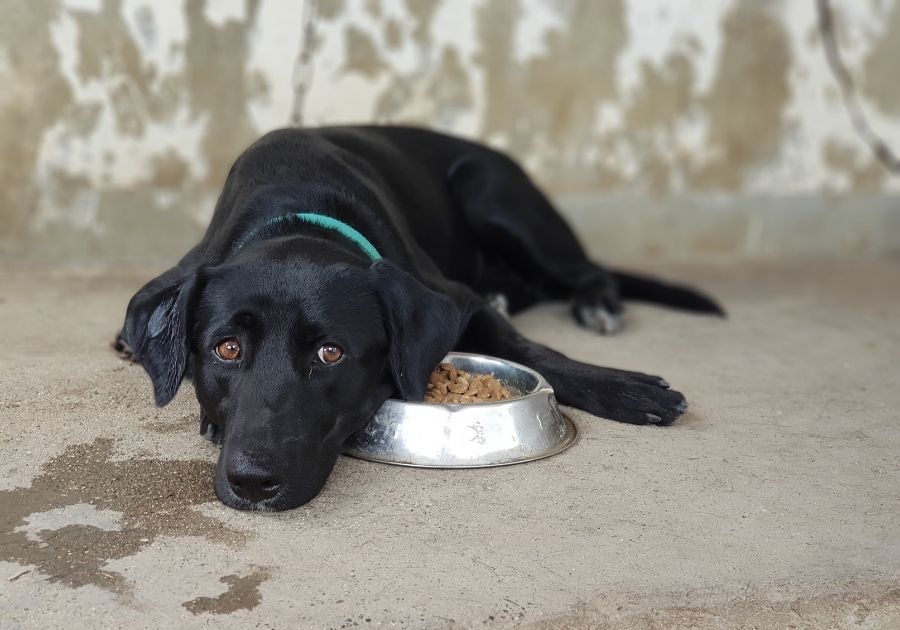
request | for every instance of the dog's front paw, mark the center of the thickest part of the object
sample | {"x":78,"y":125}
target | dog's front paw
{"x":637,"y":398}
{"x":649,"y":400}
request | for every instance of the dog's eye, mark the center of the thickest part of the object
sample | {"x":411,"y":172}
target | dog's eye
{"x":228,"y":349}
{"x":330,"y":353}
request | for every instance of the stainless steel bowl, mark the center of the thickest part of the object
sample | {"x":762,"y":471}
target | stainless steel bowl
{"x":497,"y":433}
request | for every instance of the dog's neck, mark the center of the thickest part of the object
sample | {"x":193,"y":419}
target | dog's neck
{"x":322,"y":221}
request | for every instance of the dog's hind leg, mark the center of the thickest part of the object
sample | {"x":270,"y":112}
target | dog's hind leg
{"x":516,"y":223}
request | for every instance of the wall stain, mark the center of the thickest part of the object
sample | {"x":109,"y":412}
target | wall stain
{"x":664,"y":97}
{"x":330,"y":9}
{"x":134,"y":223}
{"x":665,"y":93}
{"x":880,"y":67}
{"x":449,"y":88}
{"x":242,"y":594}
{"x":118,"y":60}
{"x":392,"y":101}
{"x":842,"y":158}
{"x":170,"y":171}
{"x":393,"y":34}
{"x":534,"y":108}
{"x":46,"y":204}
{"x":373,"y":8}
{"x":500,"y":77}
{"x":361,"y":55}
{"x":422,"y":12}
{"x":437,"y":92}
{"x":35,"y":94}
{"x":223,"y":101}
{"x":746,"y":117}
{"x":153,"y":496}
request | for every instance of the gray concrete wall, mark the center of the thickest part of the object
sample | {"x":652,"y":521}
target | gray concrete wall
{"x":711,"y":129}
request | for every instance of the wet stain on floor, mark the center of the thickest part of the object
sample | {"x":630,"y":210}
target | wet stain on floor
{"x":242,"y":594}
{"x":152,"y":497}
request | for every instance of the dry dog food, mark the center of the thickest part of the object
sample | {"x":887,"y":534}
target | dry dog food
{"x":448,"y":384}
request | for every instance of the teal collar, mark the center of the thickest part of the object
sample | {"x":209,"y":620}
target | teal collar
{"x":318,"y":220}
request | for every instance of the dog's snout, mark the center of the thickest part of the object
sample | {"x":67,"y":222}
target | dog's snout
{"x":251,"y":479}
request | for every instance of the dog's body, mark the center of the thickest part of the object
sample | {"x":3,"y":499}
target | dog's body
{"x":461,"y":229}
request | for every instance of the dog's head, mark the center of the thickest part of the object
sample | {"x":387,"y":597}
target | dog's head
{"x":289,"y":358}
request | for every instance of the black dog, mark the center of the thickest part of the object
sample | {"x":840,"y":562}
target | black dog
{"x":340,"y":266}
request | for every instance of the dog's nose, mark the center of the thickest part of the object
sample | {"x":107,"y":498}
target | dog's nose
{"x":251,"y":480}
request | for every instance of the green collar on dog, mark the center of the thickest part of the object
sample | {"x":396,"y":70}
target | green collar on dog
{"x":322,"y":221}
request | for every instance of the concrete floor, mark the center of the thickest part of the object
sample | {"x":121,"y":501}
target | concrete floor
{"x":773,"y":503}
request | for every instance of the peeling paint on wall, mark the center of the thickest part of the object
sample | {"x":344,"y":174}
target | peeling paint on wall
{"x":880,"y":65}
{"x":746,"y":118}
{"x":120,"y":118}
{"x":630,"y":95}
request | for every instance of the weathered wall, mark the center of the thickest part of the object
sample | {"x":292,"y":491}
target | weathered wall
{"x":119,"y":118}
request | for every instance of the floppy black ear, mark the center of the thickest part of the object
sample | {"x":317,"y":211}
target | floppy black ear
{"x":156,"y":328}
{"x":422,"y":326}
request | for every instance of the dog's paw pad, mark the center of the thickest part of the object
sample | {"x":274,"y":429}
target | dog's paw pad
{"x":598,"y":319}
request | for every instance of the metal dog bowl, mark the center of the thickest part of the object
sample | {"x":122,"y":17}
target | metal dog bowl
{"x":498,"y":433}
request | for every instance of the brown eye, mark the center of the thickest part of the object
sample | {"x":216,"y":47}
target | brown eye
{"x":229,"y":349}
{"x":330,"y":353}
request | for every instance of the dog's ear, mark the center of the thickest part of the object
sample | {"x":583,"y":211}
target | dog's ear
{"x":156,"y":329}
{"x":422,"y":327}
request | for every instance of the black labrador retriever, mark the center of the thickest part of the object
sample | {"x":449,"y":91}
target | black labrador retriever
{"x":340,"y":266}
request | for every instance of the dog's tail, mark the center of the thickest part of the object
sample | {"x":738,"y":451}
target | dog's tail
{"x":646,"y":289}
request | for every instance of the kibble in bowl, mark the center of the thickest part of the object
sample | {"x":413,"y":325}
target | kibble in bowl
{"x":449,"y":384}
